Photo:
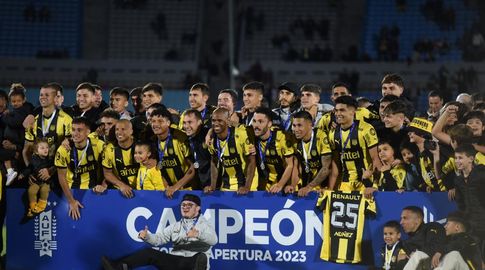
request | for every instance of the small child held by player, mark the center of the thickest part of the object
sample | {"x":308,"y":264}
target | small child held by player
{"x":13,"y":134}
{"x":42,"y":167}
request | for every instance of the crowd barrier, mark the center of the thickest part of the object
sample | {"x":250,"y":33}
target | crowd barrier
{"x":257,"y":231}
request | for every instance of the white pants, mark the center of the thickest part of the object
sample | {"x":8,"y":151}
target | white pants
{"x":418,"y":261}
{"x":452,"y":261}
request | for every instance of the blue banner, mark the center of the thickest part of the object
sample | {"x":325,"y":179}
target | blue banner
{"x":257,"y":231}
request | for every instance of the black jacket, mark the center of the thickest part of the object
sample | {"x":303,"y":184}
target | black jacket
{"x":470,"y":198}
{"x":466,"y":245}
{"x":36,"y":165}
{"x":2,"y":127}
{"x":92,"y":115}
{"x":428,"y":238}
{"x":103,"y":106}
{"x":394,"y":138}
{"x":14,"y":130}
{"x":139,"y":123}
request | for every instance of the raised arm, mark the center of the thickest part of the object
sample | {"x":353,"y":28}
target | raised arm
{"x":440,"y":124}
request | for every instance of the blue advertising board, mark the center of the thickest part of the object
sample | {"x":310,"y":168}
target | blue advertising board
{"x":257,"y":231}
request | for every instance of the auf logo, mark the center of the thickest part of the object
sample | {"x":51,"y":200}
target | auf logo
{"x":45,"y":231}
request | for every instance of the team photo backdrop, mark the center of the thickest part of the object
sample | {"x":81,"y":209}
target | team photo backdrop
{"x":258,"y":231}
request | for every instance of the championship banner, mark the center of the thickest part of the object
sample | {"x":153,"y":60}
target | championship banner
{"x":257,"y":231}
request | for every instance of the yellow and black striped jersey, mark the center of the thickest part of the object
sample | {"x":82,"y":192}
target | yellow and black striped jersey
{"x":172,"y":155}
{"x":428,"y":173}
{"x":343,"y":227}
{"x":327,"y":121}
{"x":314,"y":149}
{"x":54,"y":129}
{"x":231,"y":156}
{"x":272,"y":153}
{"x":351,"y":147}
{"x":83,"y":169}
{"x":121,"y":162}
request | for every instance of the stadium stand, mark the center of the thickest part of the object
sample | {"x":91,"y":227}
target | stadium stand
{"x":303,"y":27}
{"x":413,"y":26}
{"x":154,"y":31}
{"x":44,"y":29}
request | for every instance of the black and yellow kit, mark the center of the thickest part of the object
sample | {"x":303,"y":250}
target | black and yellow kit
{"x":426,"y":168}
{"x":83,"y":168}
{"x":328,"y":120}
{"x":172,"y":153}
{"x":392,"y":180}
{"x":121,"y":162}
{"x":343,"y":226}
{"x":231,"y":156}
{"x":352,"y":149}
{"x":271,"y":156}
{"x":54,"y":128}
{"x":389,"y":255}
{"x":309,"y":155}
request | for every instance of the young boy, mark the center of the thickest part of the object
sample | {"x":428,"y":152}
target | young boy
{"x":393,"y":176}
{"x":149,"y":176}
{"x":413,"y":178}
{"x":392,"y":247}
{"x":419,"y":134}
{"x":394,"y":130}
{"x":470,"y":187}
{"x":475,"y":120}
{"x":461,"y":251}
{"x":42,"y":166}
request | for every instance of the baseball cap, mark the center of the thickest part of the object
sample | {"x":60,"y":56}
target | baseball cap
{"x":290,"y":86}
{"x":192,"y":198}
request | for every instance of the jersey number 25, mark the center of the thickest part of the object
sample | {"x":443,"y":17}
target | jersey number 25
{"x":341,"y":211}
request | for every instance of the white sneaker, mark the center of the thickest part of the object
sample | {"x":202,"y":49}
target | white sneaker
{"x":11,"y":175}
